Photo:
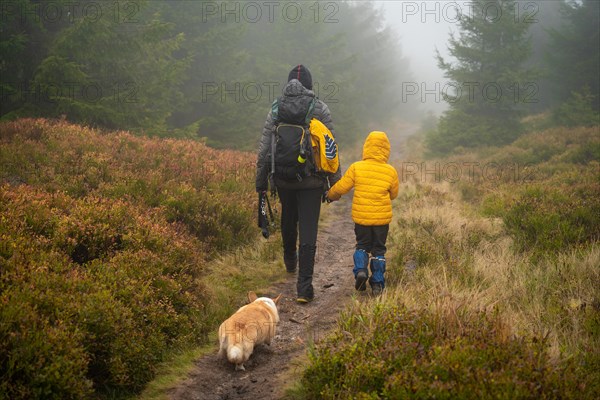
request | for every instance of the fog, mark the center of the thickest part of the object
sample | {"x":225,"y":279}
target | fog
{"x":209,"y":69}
{"x":425,"y":26}
{"x":422,"y":28}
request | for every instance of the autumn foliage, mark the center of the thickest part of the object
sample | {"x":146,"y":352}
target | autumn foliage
{"x":104,"y":241}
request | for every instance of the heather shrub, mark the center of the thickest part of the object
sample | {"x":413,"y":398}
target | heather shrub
{"x":384,"y":350}
{"x":121,"y":307}
{"x":209,"y":191}
{"x":546,"y":189}
{"x":42,"y":355}
{"x":217,"y":223}
{"x":92,"y":229}
{"x":104,"y":241}
{"x":552,"y":219}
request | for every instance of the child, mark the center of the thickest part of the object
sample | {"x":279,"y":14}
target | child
{"x":375,"y":185}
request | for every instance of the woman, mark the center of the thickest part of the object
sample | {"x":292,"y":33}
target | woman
{"x":300,"y":196}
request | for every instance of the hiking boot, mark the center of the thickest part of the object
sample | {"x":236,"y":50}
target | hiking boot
{"x":360,"y":282}
{"x":304,"y":299}
{"x":377,"y":279}
{"x":290,"y":264}
{"x":361,"y":273}
{"x":306,"y":265}
{"x":377,"y":289}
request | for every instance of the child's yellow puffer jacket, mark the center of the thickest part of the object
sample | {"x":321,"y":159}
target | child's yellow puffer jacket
{"x":375,"y":183}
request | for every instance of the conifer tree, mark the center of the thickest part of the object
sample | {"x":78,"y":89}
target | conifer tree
{"x":488,"y":79}
{"x":114,"y":71}
{"x":573,"y":55}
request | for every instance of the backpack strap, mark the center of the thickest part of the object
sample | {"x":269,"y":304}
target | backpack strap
{"x":275,"y":118}
{"x":275,"y":111}
{"x":311,"y":109}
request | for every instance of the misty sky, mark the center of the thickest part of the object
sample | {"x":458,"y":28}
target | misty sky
{"x":422,"y":27}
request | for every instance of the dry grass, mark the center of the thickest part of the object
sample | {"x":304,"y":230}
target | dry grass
{"x":476,"y":268}
{"x":492,"y":281}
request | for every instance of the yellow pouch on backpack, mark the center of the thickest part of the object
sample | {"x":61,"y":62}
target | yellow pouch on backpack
{"x":325,"y":150}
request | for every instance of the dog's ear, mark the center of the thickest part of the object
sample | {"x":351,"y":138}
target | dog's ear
{"x":252,"y":296}
{"x":276,"y":299}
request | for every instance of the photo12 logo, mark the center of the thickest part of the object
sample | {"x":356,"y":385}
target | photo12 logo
{"x":54,"y":92}
{"x":270,"y":11}
{"x":54,"y":12}
{"x":454,"y":92}
{"x":467,"y":171}
{"x":454,"y":11}
{"x":254,"y":92}
{"x":238,"y":172}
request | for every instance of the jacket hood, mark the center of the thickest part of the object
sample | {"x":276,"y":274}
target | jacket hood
{"x":377,"y":147}
{"x":295,"y":88}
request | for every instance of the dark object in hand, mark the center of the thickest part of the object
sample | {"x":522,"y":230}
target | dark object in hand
{"x":265,"y":214}
{"x":263,"y":221}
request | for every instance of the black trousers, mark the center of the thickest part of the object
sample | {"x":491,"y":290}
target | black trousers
{"x":371,"y":238}
{"x":300,"y":210}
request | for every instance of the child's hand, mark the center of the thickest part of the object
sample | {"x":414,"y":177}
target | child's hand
{"x":327,"y":197}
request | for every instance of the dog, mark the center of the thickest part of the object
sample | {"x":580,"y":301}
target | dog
{"x":249,"y":326}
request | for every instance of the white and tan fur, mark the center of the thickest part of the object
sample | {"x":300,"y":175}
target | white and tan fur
{"x":252,"y":324}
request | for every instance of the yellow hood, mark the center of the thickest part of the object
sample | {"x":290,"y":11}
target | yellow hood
{"x":377,"y":147}
{"x":375,"y":183}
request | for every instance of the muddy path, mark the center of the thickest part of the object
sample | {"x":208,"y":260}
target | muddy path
{"x":215,"y":379}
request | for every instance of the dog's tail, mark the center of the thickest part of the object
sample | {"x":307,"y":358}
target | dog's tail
{"x":235,"y":354}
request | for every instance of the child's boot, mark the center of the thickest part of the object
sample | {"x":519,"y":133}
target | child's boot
{"x":361,"y":271}
{"x":377,"y":279}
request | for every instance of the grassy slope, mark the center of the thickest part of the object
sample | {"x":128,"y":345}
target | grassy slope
{"x":504,"y":301}
{"x":111,"y":257}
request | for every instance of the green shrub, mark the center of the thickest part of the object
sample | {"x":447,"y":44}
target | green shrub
{"x":115,"y":314}
{"x":584,"y":154}
{"x":40,"y":358}
{"x":416,"y":354}
{"x":551,"y":219}
{"x":212,"y":220}
{"x":578,"y":110}
{"x":459,"y":130}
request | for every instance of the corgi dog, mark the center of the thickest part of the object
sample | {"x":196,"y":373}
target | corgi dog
{"x":252,"y":324}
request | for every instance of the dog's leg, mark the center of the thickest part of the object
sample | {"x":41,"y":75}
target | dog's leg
{"x":222,"y":348}
{"x":270,"y":333}
{"x":239,"y":367}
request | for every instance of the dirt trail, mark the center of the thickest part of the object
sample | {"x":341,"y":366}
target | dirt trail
{"x":216,"y":379}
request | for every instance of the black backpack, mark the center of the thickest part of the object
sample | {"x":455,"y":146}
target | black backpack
{"x":291,"y":147}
